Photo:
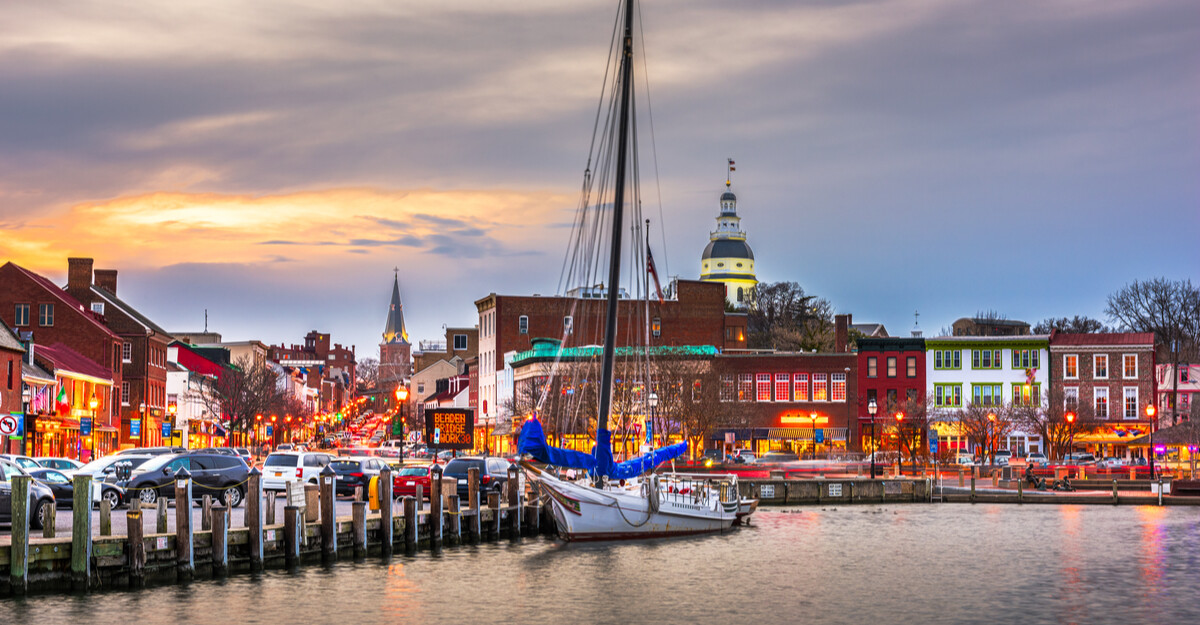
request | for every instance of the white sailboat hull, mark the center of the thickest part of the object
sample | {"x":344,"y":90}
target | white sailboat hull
{"x":587,"y":513}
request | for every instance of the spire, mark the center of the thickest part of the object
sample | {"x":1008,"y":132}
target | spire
{"x":393,"y":331}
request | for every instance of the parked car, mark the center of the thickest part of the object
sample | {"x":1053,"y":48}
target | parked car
{"x":1113,"y":462}
{"x":25,"y":462}
{"x":220,"y":475}
{"x":41,"y":498}
{"x":355,"y":472}
{"x":1003,"y":456}
{"x":62,"y":464}
{"x":744,"y":456}
{"x":111,"y":469}
{"x":493,"y":473}
{"x":245,"y":454}
{"x":151,"y":451}
{"x":64,"y":489}
{"x":292,"y":466}
{"x":965,"y":460}
{"x":775,"y":457}
{"x":1079,"y":459}
{"x":285,"y":447}
{"x":1037,"y":459}
{"x":407,"y":479}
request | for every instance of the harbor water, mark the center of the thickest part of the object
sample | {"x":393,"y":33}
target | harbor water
{"x":856,"y":565}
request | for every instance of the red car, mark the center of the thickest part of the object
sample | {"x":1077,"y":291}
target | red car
{"x":407,"y":479}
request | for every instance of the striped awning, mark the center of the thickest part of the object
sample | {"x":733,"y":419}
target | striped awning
{"x":806,"y":434}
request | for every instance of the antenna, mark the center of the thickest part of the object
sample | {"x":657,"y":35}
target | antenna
{"x":206,"y":321}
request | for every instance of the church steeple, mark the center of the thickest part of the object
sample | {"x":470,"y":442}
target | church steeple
{"x":393,"y":331}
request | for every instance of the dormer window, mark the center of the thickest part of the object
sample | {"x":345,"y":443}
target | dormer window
{"x":98,"y":308}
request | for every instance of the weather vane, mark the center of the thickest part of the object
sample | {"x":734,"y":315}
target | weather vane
{"x":729,"y":169}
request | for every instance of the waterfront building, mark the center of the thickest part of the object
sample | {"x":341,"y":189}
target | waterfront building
{"x":143,"y":386}
{"x":728,"y":259}
{"x":1178,"y":393}
{"x":1108,"y":380}
{"x":34,"y":306}
{"x":79,"y":381}
{"x":986,"y":371}
{"x":891,"y":371}
{"x":12,"y":356}
{"x":193,"y":373}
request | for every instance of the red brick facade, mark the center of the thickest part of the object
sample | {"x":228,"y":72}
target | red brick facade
{"x":890,"y":371}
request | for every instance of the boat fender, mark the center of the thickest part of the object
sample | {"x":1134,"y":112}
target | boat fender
{"x":650,"y":491}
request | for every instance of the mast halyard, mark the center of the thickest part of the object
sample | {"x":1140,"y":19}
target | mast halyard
{"x":614,"y":269}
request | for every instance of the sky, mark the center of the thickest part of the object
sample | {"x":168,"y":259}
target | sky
{"x":271,"y":162}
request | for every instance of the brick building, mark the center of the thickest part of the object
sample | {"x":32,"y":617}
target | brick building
{"x":1109,"y":379}
{"x":12,"y":354}
{"x":32,"y":303}
{"x":143,"y":386}
{"x":891,"y":371}
{"x":509,"y":323}
{"x":331,"y":368}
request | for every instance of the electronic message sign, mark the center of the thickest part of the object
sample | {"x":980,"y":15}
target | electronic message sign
{"x":450,"y":428}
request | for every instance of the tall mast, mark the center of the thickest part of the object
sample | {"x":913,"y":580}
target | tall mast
{"x":614,"y":263}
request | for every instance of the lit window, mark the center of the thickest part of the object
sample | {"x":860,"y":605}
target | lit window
{"x":1131,"y":366}
{"x":764,"y":387}
{"x":656,"y":327}
{"x":1071,"y":366}
{"x":838,"y":384}
{"x":891,"y":366}
{"x":1131,"y":402}
{"x":800,"y":385}
{"x":1102,"y":403}
{"x":872,"y":366}
{"x":912,"y":366}
{"x":782,"y":384}
{"x":745,"y":387}
{"x":820,"y":390}
{"x":1100,"y":366}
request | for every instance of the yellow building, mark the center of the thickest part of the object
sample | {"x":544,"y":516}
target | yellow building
{"x":728,"y":258}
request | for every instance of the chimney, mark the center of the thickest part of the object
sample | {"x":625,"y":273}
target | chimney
{"x":841,"y":333}
{"x":79,"y":273}
{"x":107,"y":280}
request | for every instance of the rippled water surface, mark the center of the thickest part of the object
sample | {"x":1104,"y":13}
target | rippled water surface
{"x":896,"y":564}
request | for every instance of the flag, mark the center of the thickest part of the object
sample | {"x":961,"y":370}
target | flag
{"x":653,"y":273}
{"x":731,"y":167}
{"x":61,"y":400}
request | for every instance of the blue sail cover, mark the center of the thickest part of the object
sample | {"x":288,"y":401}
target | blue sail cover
{"x":633,"y":467}
{"x":532,"y":441}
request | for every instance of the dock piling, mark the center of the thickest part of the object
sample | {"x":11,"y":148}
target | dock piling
{"x":291,"y":535}
{"x":410,"y":526}
{"x":386,"y":519}
{"x":328,"y":513}
{"x":186,"y":563}
{"x":81,"y":532}
{"x":219,"y":525}
{"x":359,"y":527}
{"x":135,"y":531}
{"x":18,"y":559}
{"x":254,"y":519}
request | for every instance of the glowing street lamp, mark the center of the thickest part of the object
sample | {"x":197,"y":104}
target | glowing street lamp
{"x":813,"y":416}
{"x":1070,"y":417}
{"x":899,"y":439}
{"x":1150,"y":411}
{"x":992,"y":436}
{"x":872,"y":408}
{"x":92,"y":404}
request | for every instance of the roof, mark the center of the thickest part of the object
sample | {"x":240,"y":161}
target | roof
{"x":728,"y":248}
{"x":9,"y":340}
{"x":728,"y":195}
{"x":393,"y":330}
{"x":34,"y":373}
{"x":64,"y":360}
{"x":1104,"y":338}
{"x":63,"y":297}
{"x":891,"y":344}
{"x":128,"y":310}
{"x":870,"y":329}
{"x":1185,"y":433}
{"x":1012,"y":338}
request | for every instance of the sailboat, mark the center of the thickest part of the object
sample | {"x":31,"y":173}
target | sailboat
{"x":624,"y":500}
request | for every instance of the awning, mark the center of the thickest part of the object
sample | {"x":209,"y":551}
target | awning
{"x":834,"y":434}
{"x":503,"y":428}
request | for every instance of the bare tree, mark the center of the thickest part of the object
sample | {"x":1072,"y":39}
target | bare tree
{"x":984,"y":426}
{"x":1074,"y":325}
{"x":783,"y":317}
{"x":244,"y":390}
{"x":368,"y":372}
{"x":1050,"y":421}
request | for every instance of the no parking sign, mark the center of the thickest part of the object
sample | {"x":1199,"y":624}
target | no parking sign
{"x":10,"y":424}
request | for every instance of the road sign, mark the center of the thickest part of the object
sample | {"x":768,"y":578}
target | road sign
{"x":9,"y":424}
{"x":437,"y":435}
{"x":820,"y":435}
{"x":135,"y":428}
{"x":85,"y":426}
{"x":933,"y":441}
{"x":166,"y":431}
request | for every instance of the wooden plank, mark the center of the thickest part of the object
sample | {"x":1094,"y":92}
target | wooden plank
{"x":81,"y":532}
{"x":105,"y":518}
{"x":219,"y":522}
{"x":18,"y":554}
{"x":137,"y":548}
{"x":328,"y":503}
{"x":161,"y":518}
{"x":49,"y":527}
{"x":206,"y":506}
{"x":358,"y":527}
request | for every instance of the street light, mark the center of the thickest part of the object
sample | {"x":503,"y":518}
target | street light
{"x":899,"y":439}
{"x":401,"y":399}
{"x":172,"y":408}
{"x":872,"y":408}
{"x":1150,"y":410}
{"x":1070,"y":417}
{"x":992,"y":437}
{"x":92,"y":404}
{"x":652,"y":401}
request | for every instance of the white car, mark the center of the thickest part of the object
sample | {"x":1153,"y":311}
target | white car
{"x":1037,"y":459}
{"x":1112,"y":462}
{"x":282,"y":467}
{"x":107,"y":469}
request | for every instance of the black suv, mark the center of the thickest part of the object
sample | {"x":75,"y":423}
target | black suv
{"x":352,"y":472}
{"x":493,"y":473}
{"x":41,"y":498}
{"x":221,"y":475}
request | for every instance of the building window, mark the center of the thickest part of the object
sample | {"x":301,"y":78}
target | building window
{"x":1131,"y":402}
{"x":987,"y":394}
{"x":523,"y":324}
{"x":912,"y":366}
{"x":1026,"y":395}
{"x":1131,"y":367}
{"x":727,"y":388}
{"x":985,"y":359}
{"x":697,"y":391}
{"x":1102,"y":403}
{"x":1071,"y":398}
{"x":764,"y":387}
{"x":1025,"y":359}
{"x":1071,"y":366}
{"x":893,"y":402}
{"x":838,"y":387}
{"x":820,"y":389}
{"x":45,"y":315}
{"x":1100,"y":366}
{"x":800,"y":386}
{"x":127,"y":352}
{"x":872,"y":396}
{"x":872,"y":367}
{"x":124,"y":393}
{"x":947,"y":359}
{"x":745,"y":386}
{"x":460,"y":342}
{"x":783,"y":387}
{"x":891,"y":365}
{"x":567,"y":324}
{"x":739,"y":294}
{"x":1183,"y":375}
{"x":22,"y":316}
{"x":656,"y":327}
{"x":98,"y":308}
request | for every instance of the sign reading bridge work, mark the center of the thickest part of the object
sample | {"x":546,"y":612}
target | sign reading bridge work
{"x":454,"y":428}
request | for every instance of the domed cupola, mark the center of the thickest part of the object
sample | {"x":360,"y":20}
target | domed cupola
{"x":728,"y":257}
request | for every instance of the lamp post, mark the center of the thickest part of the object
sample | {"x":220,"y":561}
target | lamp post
{"x":991,"y":441}
{"x":649,"y":427}
{"x":1070,"y":417}
{"x":401,"y":399}
{"x":1150,"y":410}
{"x":172,"y":408}
{"x":899,"y":440}
{"x":872,"y":408}
{"x":92,"y":404}
{"x":813,"y":417}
